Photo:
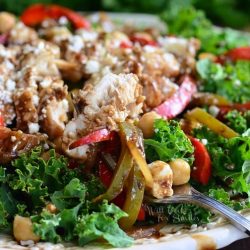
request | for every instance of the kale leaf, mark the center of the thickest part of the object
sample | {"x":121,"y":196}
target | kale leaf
{"x":189,"y":22}
{"x":237,"y":121}
{"x":169,"y":142}
{"x":103,"y":224}
{"x":230,"y":159}
{"x":223,"y":196}
{"x":230,"y":81}
{"x":31,"y":183}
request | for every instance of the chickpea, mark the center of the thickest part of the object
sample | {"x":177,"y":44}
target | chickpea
{"x":22,"y":229}
{"x":146,"y":123}
{"x":181,"y":171}
{"x":162,"y":179}
{"x":7,"y":21}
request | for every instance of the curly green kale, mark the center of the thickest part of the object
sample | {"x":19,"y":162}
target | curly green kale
{"x":189,"y":22}
{"x":230,"y":159}
{"x":237,"y":120}
{"x":230,"y":81}
{"x":169,"y":142}
{"x":31,"y":182}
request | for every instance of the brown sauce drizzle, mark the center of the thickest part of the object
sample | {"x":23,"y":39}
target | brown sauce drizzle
{"x":204,"y":242}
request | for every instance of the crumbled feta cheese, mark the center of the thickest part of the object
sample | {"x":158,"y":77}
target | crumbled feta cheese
{"x":33,"y":127}
{"x":35,"y":100}
{"x":87,"y":36}
{"x":65,"y":105}
{"x":76,"y":43}
{"x":40,"y":47}
{"x":46,"y":83}
{"x":9,"y":65}
{"x":204,"y":141}
{"x":10,"y":85}
{"x":63,"y":20}
{"x":13,"y":138}
{"x":107,"y":27}
{"x":149,"y":49}
{"x":92,"y":66}
{"x":213,"y":110}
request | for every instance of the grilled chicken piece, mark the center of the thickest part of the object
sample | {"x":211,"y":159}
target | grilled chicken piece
{"x":21,"y":34}
{"x":53,"y":108}
{"x":26,"y":112}
{"x":15,"y":143}
{"x":108,"y":101}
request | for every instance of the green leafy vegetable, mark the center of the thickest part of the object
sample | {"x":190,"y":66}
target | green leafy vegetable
{"x":32,"y":182}
{"x":230,"y":158}
{"x":230,"y":81}
{"x":103,"y":224}
{"x":223,"y":196}
{"x":237,"y":121}
{"x":169,"y":142}
{"x":188,"y":22}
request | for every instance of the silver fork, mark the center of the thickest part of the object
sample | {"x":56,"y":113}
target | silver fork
{"x":187,"y":194}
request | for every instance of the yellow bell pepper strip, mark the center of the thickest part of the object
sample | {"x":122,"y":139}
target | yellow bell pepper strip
{"x":211,"y":122}
{"x":121,"y":174}
{"x":134,"y":139}
{"x":134,"y":197}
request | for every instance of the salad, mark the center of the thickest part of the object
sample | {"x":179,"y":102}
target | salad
{"x":94,"y":116}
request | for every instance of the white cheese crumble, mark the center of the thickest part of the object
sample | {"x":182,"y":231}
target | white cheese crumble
{"x":204,"y":141}
{"x":76,"y":43}
{"x":87,"y":36}
{"x":35,"y":100}
{"x":149,"y":49}
{"x":46,"y":83}
{"x":33,"y":127}
{"x":213,"y":110}
{"x":92,"y":66}
{"x":63,"y":20}
{"x":10,"y":85}
{"x":13,"y":138}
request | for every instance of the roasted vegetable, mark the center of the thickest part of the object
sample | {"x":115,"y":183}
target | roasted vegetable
{"x":179,"y":100}
{"x":214,"y":124}
{"x":134,"y":140}
{"x":134,"y":197}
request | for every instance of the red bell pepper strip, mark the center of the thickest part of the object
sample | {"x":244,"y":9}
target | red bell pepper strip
{"x":179,"y":100}
{"x":34,"y":14}
{"x":1,"y":120}
{"x":93,"y":137}
{"x":37,"y":13}
{"x":202,"y":169}
{"x":143,"y":40}
{"x":126,"y":45}
{"x":105,"y":174}
{"x":224,"y":109}
{"x":242,"y":53}
{"x":142,"y":214}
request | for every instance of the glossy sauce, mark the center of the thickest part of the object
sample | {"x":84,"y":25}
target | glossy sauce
{"x":204,"y":242}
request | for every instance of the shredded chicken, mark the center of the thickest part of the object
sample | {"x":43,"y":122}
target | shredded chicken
{"x":15,"y":143}
{"x":110,"y":100}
